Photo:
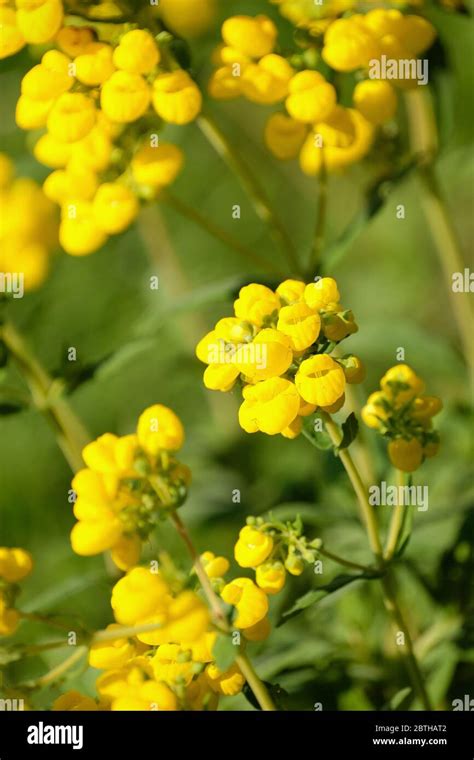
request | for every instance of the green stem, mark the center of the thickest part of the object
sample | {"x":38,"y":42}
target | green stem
{"x":387,"y":581}
{"x":59,"y":670}
{"x":344,"y":562}
{"x":70,"y":433}
{"x":217,"y":232}
{"x":424,"y":145}
{"x":367,"y":510}
{"x":257,"y":194}
{"x":319,"y":232}
{"x":258,"y":687}
{"x":396,"y":522}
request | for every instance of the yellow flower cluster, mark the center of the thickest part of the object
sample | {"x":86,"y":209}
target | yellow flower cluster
{"x":25,"y":22}
{"x":313,"y":120}
{"x":354,"y":43}
{"x":130,"y":482}
{"x":170,"y":664}
{"x":100,"y":103}
{"x":278,"y":347}
{"x":403,"y":414}
{"x":15,"y":565}
{"x":26,"y":239}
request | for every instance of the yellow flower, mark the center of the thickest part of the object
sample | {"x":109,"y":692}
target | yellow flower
{"x":394,"y":381}
{"x":79,"y":234}
{"x":73,"y":700}
{"x":73,"y":184}
{"x":253,"y":36}
{"x":406,"y":455}
{"x":139,"y":595}
{"x":126,"y":552}
{"x":132,"y":688}
{"x":267,"y":81}
{"x":215,"y":567}
{"x":176,"y":98}
{"x":15,"y":564}
{"x":44,"y":83}
{"x":249,"y":600}
{"x":125,"y":97}
{"x":39,"y":20}
{"x":220,"y":377}
{"x":51,"y":152}
{"x":11,"y":37}
{"x":269,"y":355}
{"x":271,"y":577}
{"x":159,"y":429}
{"x":137,"y":52}
{"x":106,"y":655}
{"x":412,"y":34}
{"x":94,"y":150}
{"x":184,"y":621}
{"x":224,"y":84}
{"x":158,"y":166}
{"x":318,"y":295}
{"x":374,"y":413}
{"x":354,"y":369}
{"x":74,"y":40}
{"x":269,"y":406}
{"x":170,"y":665}
{"x":300,"y":323}
{"x":338,"y":324}
{"x":89,"y":537}
{"x":349,"y":45}
{"x":344,"y":138}
{"x":9,"y":618}
{"x":425,"y":407}
{"x":294,"y":565}
{"x":291,"y":291}
{"x":229,"y":682}
{"x":111,"y":455}
{"x":311,"y":98}
{"x":253,"y":547}
{"x":320,"y":380}
{"x":32,"y":114}
{"x":284,"y":136}
{"x":115,"y":207}
{"x":72,"y":117}
{"x":255,"y":302}
{"x":188,"y":18}
{"x":95,"y":65}
{"x":376,"y":100}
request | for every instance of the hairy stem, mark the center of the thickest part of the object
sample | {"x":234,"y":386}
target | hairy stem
{"x":343,"y":561}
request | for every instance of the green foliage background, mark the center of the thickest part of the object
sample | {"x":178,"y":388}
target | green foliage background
{"x":340,"y":652}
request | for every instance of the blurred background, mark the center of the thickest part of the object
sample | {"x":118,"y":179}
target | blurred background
{"x":340,"y":652}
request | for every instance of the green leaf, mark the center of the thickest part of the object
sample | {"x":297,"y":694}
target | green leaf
{"x":319,"y":438}
{"x":224,"y":652}
{"x":349,"y":431}
{"x":400,"y":700}
{"x":316,"y":595}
